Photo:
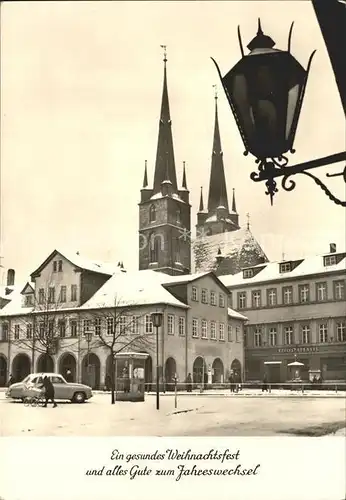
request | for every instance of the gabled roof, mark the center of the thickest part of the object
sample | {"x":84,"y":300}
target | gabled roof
{"x":133,"y":289}
{"x":28,"y":288}
{"x":15,"y":306}
{"x":80,"y":262}
{"x":239,"y":249}
{"x":271,"y":271}
{"x":189,"y":278}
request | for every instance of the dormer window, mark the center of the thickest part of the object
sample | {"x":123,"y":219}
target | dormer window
{"x":285,"y":267}
{"x":248,"y":273}
{"x":28,"y":300}
{"x":152,"y":214}
{"x":329,"y":260}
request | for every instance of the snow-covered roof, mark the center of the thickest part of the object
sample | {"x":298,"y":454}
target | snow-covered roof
{"x":185,"y":278}
{"x":271,"y":271}
{"x":133,"y":289}
{"x":235,"y":314}
{"x":15,"y":306}
{"x":82,"y":262}
{"x":239,"y":249}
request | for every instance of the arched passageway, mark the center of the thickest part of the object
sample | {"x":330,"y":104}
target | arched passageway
{"x":200,"y":371}
{"x":45,"y":363}
{"x":91,"y":370}
{"x":3,"y":371}
{"x":170,"y":371}
{"x":67,"y":362}
{"x":21,"y":367}
{"x":218,"y":371}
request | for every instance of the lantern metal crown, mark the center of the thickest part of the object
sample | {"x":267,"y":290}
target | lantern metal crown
{"x":265,"y":91}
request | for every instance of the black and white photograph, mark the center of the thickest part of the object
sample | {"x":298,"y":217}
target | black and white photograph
{"x":172,"y":246}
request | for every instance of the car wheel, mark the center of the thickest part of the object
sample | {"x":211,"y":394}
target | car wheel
{"x":79,"y":397}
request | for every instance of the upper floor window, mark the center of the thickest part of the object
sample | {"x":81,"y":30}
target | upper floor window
{"x":73,"y":293}
{"x":304,"y":293}
{"x":194,"y":294}
{"x":256,"y":298}
{"x":73,"y":327}
{"x":4,"y":331}
{"x":194,"y":327}
{"x":149,"y":327}
{"x":204,"y":329}
{"x":57,"y":266}
{"x":329,"y":260}
{"x":152,"y":213}
{"x":305,"y":334}
{"x":237,"y":334}
{"x":272,"y":336}
{"x":41,"y":296}
{"x":213,"y":330}
{"x":213,"y":298}
{"x":86,"y":326}
{"x":51,"y":294}
{"x":170,"y":324}
{"x":271,"y":297}
{"x":247,"y":273}
{"x":122,"y":327}
{"x":222,"y":331}
{"x":28,"y":301}
{"x":181,"y":325}
{"x":29,"y":331}
{"x":285,"y":267}
{"x":323,"y":333}
{"x":241,"y":300}
{"x":62,"y":328}
{"x":321,"y":292}
{"x":63,"y":293}
{"x":288,"y":332}
{"x":221,"y":300}
{"x":339,"y":290}
{"x":341,"y":331}
{"x":41,"y":330}
{"x":204,"y":296}
{"x":258,"y":337}
{"x":110,"y":325}
{"x":135,"y":325}
{"x":97,"y":324}
{"x":16,"y":331}
{"x":287,"y":295}
{"x":230,"y":332}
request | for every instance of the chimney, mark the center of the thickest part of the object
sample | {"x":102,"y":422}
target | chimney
{"x":332,"y":247}
{"x":10,"y":277}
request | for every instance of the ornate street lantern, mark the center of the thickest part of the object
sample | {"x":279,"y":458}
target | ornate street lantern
{"x":265,"y":91}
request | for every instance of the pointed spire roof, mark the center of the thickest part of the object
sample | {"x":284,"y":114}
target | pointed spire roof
{"x":184,"y":183}
{"x":145,"y":179}
{"x":234,"y":207}
{"x":165,"y":165}
{"x":201,"y":204}
{"x":217,"y":183}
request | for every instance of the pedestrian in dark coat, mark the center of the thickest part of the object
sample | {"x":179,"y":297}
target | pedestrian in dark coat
{"x":265,"y":383}
{"x":11,"y":380}
{"x":231,"y":382}
{"x":49,"y":391}
{"x":189,"y":383}
{"x":69,"y":377}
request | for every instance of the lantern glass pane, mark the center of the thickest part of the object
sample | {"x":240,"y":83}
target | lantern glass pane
{"x":241,"y":99}
{"x":293,"y":95}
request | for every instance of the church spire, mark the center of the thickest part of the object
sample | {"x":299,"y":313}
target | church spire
{"x":234,"y":207}
{"x":184,"y":183}
{"x":217,"y":183}
{"x":165,"y":165}
{"x":201,"y":204}
{"x":145,"y":179}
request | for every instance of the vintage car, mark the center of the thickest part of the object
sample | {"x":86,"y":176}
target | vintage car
{"x":77,"y":393}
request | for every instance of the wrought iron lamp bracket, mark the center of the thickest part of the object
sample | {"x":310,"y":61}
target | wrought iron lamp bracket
{"x":269,"y":169}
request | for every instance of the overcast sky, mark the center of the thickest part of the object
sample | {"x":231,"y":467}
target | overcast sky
{"x":80,"y":101}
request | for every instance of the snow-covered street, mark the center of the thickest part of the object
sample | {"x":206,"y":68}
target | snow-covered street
{"x":201,"y":415}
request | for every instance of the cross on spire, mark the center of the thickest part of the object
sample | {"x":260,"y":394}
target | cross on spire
{"x":248,"y":221}
{"x":164,"y":47}
{"x":215,"y":89}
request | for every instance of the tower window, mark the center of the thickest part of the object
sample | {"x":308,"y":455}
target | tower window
{"x":152,"y":214}
{"x":154,"y":248}
{"x":178,"y":215}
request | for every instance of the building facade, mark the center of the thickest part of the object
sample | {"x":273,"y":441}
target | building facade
{"x":67,"y":317}
{"x":296,"y":311}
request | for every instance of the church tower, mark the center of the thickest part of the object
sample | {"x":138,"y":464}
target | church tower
{"x":164,"y":209}
{"x":217,"y":218}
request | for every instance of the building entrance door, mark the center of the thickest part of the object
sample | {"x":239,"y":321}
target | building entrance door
{"x":274,"y":374}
